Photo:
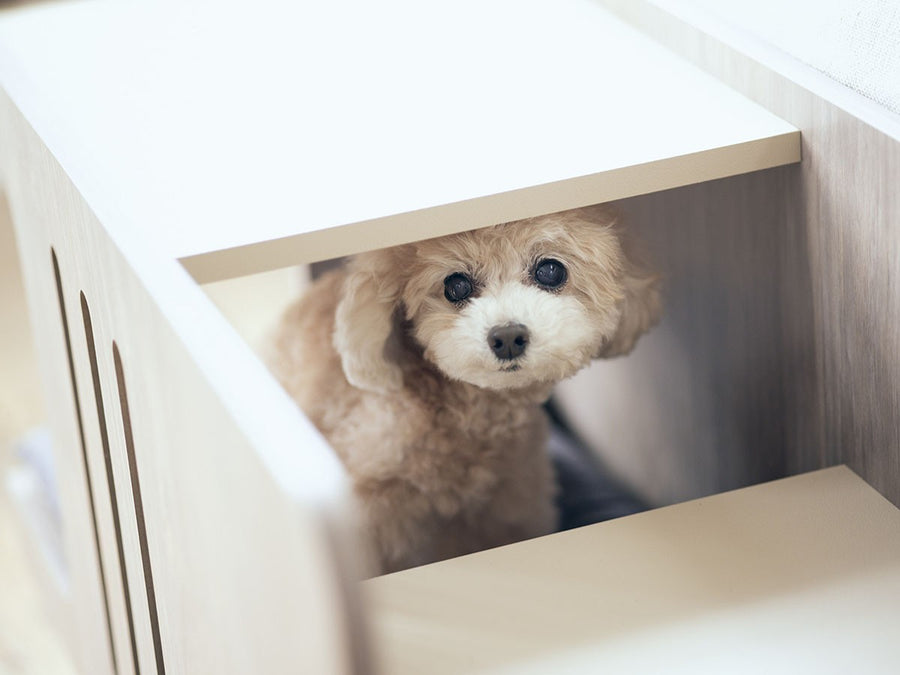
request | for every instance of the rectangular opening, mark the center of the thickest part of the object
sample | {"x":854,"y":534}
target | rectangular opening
{"x":699,"y":406}
{"x":588,"y":490}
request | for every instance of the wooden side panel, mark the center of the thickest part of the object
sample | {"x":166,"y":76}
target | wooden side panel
{"x":780,"y":350}
{"x":462,"y":138}
{"x":85,"y":618}
{"x":800,"y":575}
{"x":706,"y":400}
{"x":221,"y":548}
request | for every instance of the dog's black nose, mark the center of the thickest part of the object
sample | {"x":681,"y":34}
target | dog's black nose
{"x":508,"y":342}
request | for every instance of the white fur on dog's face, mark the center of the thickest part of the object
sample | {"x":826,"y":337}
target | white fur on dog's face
{"x":563,"y":335}
{"x":600,"y":310}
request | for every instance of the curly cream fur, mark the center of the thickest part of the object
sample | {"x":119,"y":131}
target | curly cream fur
{"x":444,"y":444}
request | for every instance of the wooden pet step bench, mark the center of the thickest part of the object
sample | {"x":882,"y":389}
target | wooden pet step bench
{"x":148,"y":149}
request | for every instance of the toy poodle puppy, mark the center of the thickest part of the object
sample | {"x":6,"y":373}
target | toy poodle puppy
{"x":425,"y":366}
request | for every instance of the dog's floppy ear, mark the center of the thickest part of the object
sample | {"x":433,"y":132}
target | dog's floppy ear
{"x":364,"y":321}
{"x":640,"y":309}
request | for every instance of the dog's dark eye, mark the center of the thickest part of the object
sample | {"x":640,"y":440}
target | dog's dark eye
{"x":550,"y":273}
{"x":457,"y":287}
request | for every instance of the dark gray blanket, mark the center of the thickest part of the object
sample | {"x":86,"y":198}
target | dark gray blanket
{"x":586,"y":493}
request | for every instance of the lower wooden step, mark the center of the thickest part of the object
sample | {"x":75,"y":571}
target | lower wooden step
{"x":797,"y":575}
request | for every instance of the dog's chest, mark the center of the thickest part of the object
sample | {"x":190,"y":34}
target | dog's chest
{"x":444,"y":475}
{"x":459,"y":456}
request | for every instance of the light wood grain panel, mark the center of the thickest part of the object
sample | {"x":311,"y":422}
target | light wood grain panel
{"x":483,"y":210}
{"x":706,"y":401}
{"x":720,"y":396}
{"x":323,"y":136}
{"x":849,"y":208}
{"x":82,"y":612}
{"x":243,"y":503}
{"x":797,"y":576}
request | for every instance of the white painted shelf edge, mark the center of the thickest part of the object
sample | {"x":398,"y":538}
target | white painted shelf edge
{"x":337,"y":128}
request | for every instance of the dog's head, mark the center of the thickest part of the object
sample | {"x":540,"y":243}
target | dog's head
{"x":503,"y":307}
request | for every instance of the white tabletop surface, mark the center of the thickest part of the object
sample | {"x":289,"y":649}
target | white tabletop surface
{"x":240,"y":136}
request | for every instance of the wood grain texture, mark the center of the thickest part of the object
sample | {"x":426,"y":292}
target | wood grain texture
{"x":780,"y":350}
{"x":323,"y":136}
{"x":81,"y":612}
{"x":796,"y":576}
{"x":705,"y":401}
{"x":243,"y":530}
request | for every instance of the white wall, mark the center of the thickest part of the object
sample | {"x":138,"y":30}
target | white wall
{"x":856,"y":42}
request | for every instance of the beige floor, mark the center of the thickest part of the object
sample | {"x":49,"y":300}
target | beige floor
{"x":29,"y":645}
